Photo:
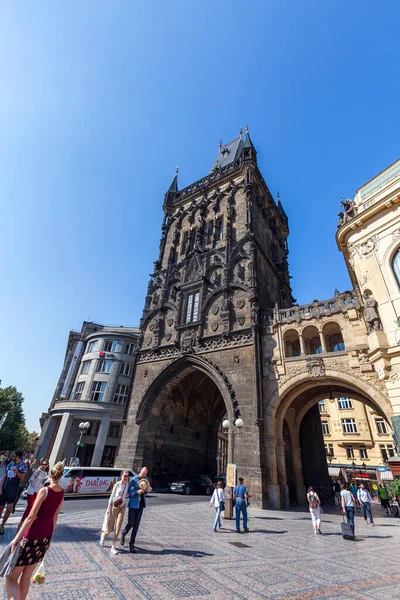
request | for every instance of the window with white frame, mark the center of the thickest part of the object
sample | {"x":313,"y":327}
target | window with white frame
{"x":114,"y":430}
{"x":78,"y":390}
{"x":363,"y":451}
{"x":325,"y":427}
{"x":110,"y":345}
{"x":344,"y":403}
{"x":121,"y":394}
{"x":349,"y":426}
{"x":98,"y":391}
{"x":93,"y":346}
{"x":381,"y":426}
{"x":322,"y":406}
{"x":220,"y":228}
{"x":126,"y":369}
{"x":329,"y":450}
{"x":192,"y":307}
{"x":350,"y":451}
{"x":387,"y":451}
{"x":129,"y":348}
{"x":85,"y":366}
{"x":104,"y":366}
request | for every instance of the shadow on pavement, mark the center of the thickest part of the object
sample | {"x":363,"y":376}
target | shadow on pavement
{"x":266,"y":531}
{"x":191,"y":553}
{"x":270,"y":518}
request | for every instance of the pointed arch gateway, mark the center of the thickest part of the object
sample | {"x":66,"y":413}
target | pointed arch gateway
{"x":180,"y":418}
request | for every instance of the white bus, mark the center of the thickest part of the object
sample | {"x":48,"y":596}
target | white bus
{"x":84,"y":481}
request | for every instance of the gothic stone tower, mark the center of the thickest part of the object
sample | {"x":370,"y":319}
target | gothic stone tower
{"x":222,"y":264}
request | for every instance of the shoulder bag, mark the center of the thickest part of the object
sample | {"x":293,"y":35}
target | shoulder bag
{"x":221,"y":503}
{"x":120,"y":500}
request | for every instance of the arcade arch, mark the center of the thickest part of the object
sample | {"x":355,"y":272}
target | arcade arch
{"x":301,"y":457}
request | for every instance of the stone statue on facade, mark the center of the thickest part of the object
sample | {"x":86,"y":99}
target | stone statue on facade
{"x":371,"y":314}
{"x":349,"y":208}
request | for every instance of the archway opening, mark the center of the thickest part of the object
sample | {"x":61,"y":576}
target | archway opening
{"x":315,"y":417}
{"x":184,"y":437}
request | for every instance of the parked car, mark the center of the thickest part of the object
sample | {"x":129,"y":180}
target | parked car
{"x":201,"y":484}
{"x":89,"y":480}
{"x":220,"y":478}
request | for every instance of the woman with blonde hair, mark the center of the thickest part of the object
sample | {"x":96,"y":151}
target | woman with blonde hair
{"x":114,"y":517}
{"x":36,"y":533}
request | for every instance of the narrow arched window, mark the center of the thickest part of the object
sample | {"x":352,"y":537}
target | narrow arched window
{"x":336,"y":342}
{"x":396,"y":265}
{"x":315,"y":346}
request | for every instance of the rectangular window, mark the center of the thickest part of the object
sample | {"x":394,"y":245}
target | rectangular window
{"x":85,"y":366}
{"x":363,"y":451}
{"x":104,"y":366}
{"x":322,"y":406}
{"x":349,"y":426}
{"x":121,"y":394}
{"x":329,"y":451}
{"x":344,"y":403}
{"x":383,"y":452}
{"x":192,"y":308}
{"x":78,"y":390}
{"x":192,"y":238}
{"x":110,"y":345}
{"x":93,"y":346}
{"x":129,"y":348}
{"x":390,"y":450}
{"x":113,"y":431}
{"x":325,"y":427}
{"x":126,"y":369}
{"x":381,"y":426}
{"x":350,"y":451}
{"x":98,"y":391}
{"x":210,"y":232}
{"x":219,"y":228}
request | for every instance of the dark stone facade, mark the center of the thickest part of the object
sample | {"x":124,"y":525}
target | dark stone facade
{"x":222,"y":265}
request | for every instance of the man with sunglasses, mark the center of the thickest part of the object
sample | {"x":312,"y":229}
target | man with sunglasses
{"x":35,"y":483}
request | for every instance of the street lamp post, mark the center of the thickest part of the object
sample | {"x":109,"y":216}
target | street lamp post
{"x":226,"y":424}
{"x":83,"y":427}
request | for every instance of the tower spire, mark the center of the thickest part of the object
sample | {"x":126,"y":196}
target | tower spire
{"x":249,"y":150}
{"x":173,"y":191}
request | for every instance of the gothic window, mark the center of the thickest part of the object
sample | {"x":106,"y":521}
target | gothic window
{"x":220,"y":228}
{"x":192,"y":238}
{"x":185,"y":242}
{"x":396,"y":265}
{"x":336,"y":343}
{"x":210,"y":232}
{"x":315,"y":346}
{"x":192,"y":307}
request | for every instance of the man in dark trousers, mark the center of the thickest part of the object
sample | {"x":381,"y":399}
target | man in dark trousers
{"x":241,"y":496}
{"x":15,"y":472}
{"x":136,"y":504}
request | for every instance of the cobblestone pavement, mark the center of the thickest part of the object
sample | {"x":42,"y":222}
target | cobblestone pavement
{"x":180,"y":556}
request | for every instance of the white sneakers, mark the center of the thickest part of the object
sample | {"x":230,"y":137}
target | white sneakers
{"x":113,"y":550}
{"x":102,"y":539}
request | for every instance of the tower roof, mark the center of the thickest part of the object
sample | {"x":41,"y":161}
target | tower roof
{"x":228,"y":153}
{"x":172,"y":190}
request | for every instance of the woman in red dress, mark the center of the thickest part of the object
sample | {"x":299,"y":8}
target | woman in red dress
{"x":36,"y":532}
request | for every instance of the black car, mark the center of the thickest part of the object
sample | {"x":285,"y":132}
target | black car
{"x":201,"y":484}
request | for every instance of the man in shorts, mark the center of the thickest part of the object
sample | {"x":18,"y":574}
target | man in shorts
{"x":15,"y":472}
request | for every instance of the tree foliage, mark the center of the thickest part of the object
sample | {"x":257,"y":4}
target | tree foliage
{"x":13,"y":434}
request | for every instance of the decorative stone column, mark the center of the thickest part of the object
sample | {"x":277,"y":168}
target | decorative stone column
{"x":62,"y":438}
{"x":282,"y":479}
{"x":323,"y":342}
{"x":101,"y":440}
{"x":302,"y":344}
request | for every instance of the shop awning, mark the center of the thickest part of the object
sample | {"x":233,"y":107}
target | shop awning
{"x":334,"y":471}
{"x":386,"y":475}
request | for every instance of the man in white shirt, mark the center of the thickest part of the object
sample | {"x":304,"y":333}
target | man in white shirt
{"x":364,"y":497}
{"x":35,"y":483}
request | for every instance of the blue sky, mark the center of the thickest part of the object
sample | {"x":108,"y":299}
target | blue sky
{"x":100,"y":100}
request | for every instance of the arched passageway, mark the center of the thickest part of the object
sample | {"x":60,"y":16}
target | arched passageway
{"x":299,"y":433}
{"x":180,"y":425}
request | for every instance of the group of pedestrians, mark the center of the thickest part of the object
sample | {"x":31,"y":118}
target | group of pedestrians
{"x":349,"y":499}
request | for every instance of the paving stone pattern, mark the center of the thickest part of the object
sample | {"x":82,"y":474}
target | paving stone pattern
{"x":180,"y":556}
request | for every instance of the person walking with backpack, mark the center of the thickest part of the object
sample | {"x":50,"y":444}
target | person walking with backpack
{"x":365,"y":499}
{"x":314,"y":504}
{"x":218,"y":499}
{"x":240,"y":496}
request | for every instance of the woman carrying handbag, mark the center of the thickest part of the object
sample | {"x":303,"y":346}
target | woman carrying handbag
{"x":218,"y":499}
{"x":114,"y":516}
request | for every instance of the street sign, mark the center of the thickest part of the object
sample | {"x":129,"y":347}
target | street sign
{"x":231,"y":471}
{"x":381,"y":469}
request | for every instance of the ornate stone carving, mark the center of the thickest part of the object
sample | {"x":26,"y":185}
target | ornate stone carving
{"x":396,"y":234}
{"x":156,"y":299}
{"x":349,"y":211}
{"x":242,"y":339}
{"x":214,"y":326}
{"x":188,"y":341}
{"x":236,"y":359}
{"x":241,"y":320}
{"x":315,"y":367}
{"x":367,"y":247}
{"x":240,"y":303}
{"x":215,"y":310}
{"x":151,"y":326}
{"x":168,"y":336}
{"x":170,"y":322}
{"x":160,"y":354}
{"x":371,"y":314}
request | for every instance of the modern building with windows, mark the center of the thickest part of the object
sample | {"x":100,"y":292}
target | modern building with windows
{"x":354,"y":434}
{"x":93,"y":387}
